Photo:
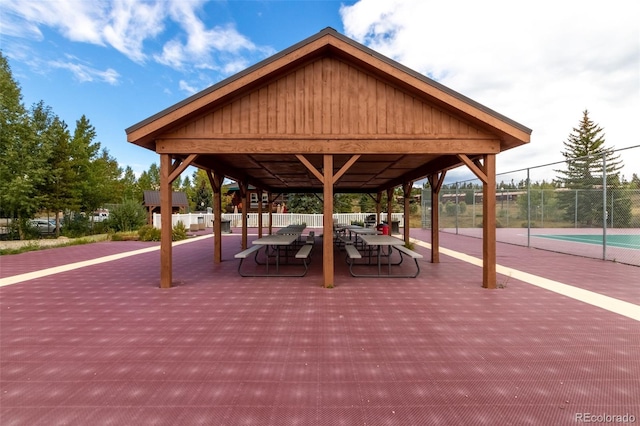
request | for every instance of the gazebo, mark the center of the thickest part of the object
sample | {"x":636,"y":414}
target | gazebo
{"x":328,"y":115}
{"x":151,"y":201}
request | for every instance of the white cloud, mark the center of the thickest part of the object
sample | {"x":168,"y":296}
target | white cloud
{"x":187,"y":87}
{"x":126,"y":25}
{"x":202,"y":47}
{"x":13,"y":27}
{"x":540,"y":63}
{"x":173,"y":55}
{"x":130,"y":24}
{"x":85,"y":73}
{"x":77,"y":20}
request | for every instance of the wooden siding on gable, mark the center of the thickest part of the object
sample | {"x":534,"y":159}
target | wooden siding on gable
{"x":327,"y":97}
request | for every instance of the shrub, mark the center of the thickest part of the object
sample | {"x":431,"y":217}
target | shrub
{"x":128,"y":216}
{"x":75,"y":225}
{"x":179,"y":232}
{"x":149,"y":233}
{"x":29,"y":232}
{"x":451,"y":208}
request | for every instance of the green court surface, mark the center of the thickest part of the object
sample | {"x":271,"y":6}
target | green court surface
{"x":614,"y":240}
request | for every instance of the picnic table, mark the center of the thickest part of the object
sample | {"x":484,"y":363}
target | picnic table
{"x":376,"y":243}
{"x":273,"y":244}
{"x":352,"y":230}
{"x":291,"y":230}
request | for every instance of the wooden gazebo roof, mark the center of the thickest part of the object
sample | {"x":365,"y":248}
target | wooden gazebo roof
{"x":151,"y":199}
{"x":328,"y":95}
{"x":329,"y":115}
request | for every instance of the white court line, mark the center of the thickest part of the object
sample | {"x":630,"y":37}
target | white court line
{"x":611,"y":304}
{"x":71,"y":266}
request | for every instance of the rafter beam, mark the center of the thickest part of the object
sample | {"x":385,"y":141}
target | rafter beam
{"x":178,"y":167}
{"x":440,"y":164}
{"x":215,"y":179}
{"x":346,"y":167}
{"x":436,"y":181}
{"x":311,"y":167}
{"x":474,"y":166}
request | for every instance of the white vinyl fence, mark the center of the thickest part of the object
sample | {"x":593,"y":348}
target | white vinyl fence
{"x":280,"y":220}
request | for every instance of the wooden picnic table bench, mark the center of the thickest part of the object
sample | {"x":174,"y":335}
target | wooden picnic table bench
{"x":377,"y":242}
{"x":277,"y":242}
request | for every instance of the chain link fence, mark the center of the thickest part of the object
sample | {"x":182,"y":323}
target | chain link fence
{"x":596,"y":216}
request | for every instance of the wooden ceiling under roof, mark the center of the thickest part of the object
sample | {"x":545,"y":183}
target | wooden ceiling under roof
{"x":327,"y":95}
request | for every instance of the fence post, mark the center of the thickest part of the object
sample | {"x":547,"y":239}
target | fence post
{"x":473,"y":209}
{"x":611,"y":215}
{"x":575,"y":212}
{"x":528,"y":209}
{"x":604,"y":206}
{"x":457,"y":209}
{"x":542,"y":207}
{"x":508,"y":197}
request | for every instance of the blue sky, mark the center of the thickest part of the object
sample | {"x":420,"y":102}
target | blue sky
{"x":541,"y":64}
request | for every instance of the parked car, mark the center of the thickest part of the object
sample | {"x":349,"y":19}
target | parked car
{"x":100,"y":216}
{"x":44,"y":226}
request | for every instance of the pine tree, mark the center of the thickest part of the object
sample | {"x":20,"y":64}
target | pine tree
{"x":129,"y":186}
{"x":84,"y":152}
{"x":22,"y":165}
{"x":59,"y":185}
{"x":586,"y":155}
{"x":584,"y":152}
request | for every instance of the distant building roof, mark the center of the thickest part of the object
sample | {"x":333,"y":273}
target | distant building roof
{"x":235,"y":187}
{"x":152,"y":198}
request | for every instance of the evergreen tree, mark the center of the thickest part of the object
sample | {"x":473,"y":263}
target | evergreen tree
{"x":586,"y":155}
{"x":129,"y":189}
{"x":103,"y":182}
{"x":304,"y":203}
{"x":342,"y":203}
{"x":584,"y":152}
{"x":367,"y":204}
{"x":83,"y":152}
{"x":150,"y":179}
{"x":59,"y":189}
{"x":23,"y":165}
{"x":200,"y":193}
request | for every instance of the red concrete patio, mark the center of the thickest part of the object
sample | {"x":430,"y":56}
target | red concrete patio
{"x":103,"y":345}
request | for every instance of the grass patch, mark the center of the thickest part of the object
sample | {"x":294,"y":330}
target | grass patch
{"x":35,"y":245}
{"x":125,"y":236}
{"x":30,"y":246}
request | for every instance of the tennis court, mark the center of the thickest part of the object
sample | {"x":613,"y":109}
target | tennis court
{"x":614,"y":240}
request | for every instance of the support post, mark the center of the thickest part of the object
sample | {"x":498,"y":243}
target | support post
{"x":243,"y":200}
{"x":166,"y":226}
{"x":259,"y":194}
{"x":389,"y":207}
{"x":216,"y":184}
{"x":270,"y":207}
{"x":327,"y":241}
{"x":406,"y":189}
{"x":378,"y":207}
{"x":435,"y":181}
{"x":489,"y":223}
